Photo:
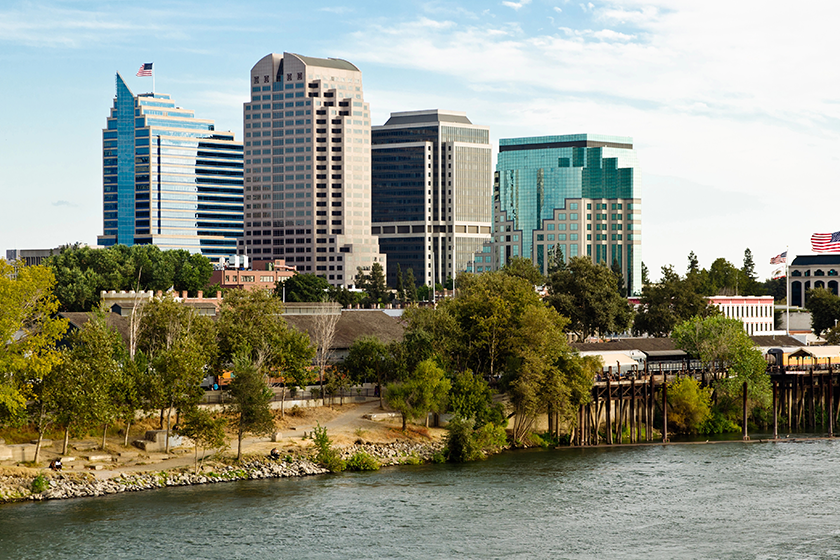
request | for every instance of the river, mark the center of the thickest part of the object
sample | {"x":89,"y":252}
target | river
{"x":728,"y":500}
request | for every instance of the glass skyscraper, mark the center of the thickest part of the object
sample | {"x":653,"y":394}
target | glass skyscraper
{"x":307,"y":167}
{"x":576,"y":194}
{"x":169,"y":179}
{"x":432,"y":192}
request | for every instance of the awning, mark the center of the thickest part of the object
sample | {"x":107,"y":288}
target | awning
{"x":817,"y":352}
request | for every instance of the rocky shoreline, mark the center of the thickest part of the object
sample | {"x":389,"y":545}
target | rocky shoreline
{"x":59,"y":486}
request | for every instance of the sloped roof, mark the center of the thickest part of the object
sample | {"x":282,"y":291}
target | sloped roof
{"x":353,"y":324}
{"x":113,"y":320}
{"x":767,"y":341}
{"x":643,"y":344}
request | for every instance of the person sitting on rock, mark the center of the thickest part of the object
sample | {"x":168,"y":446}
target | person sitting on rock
{"x":55,"y":464}
{"x":274,"y":454}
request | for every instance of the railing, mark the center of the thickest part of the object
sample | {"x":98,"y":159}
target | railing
{"x":308,"y":394}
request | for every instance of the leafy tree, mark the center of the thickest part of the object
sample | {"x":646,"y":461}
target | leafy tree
{"x":29,"y":331}
{"x":776,"y":287}
{"x":588,"y":295}
{"x":251,"y":322}
{"x":723,"y":279}
{"x":367,"y":359}
{"x":523,"y":268}
{"x":373,"y":283}
{"x":465,"y":442}
{"x":204,"y":429}
{"x":693,"y":263}
{"x":400,"y":285}
{"x":619,"y":278}
{"x":471,"y":398}
{"x":668,"y":303}
{"x":824,"y":307}
{"x":722,"y":341}
{"x":424,"y":293}
{"x":304,"y":288}
{"x":425,"y":391}
{"x":690,"y":406}
{"x":251,"y":400}
{"x":556,"y":260}
{"x":749,"y":283}
{"x":80,"y":391}
{"x":645,"y":275}
{"x":410,"y":286}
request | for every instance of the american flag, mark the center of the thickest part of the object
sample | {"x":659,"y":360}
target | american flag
{"x":826,"y":242}
{"x":779,"y":259}
{"x":145,"y":69}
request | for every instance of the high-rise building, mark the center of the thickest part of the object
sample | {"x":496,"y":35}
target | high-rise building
{"x":307,"y":167}
{"x":169,"y":179}
{"x":578,"y":195}
{"x":432,"y":192}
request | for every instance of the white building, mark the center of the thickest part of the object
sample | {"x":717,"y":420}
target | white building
{"x":307,"y":167}
{"x":755,"y":312}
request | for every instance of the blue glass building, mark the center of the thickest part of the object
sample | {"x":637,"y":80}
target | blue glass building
{"x":574,"y":194}
{"x":169,"y":179}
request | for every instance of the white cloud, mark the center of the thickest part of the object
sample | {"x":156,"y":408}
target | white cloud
{"x":516,"y":5}
{"x":336,"y":9}
{"x":558,"y":9}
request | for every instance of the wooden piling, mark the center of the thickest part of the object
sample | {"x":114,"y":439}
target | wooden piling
{"x":775,"y":410}
{"x":746,"y":435}
{"x":664,"y":411}
{"x":608,"y":403}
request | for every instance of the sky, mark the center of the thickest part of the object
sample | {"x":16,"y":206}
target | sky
{"x":732,"y":106}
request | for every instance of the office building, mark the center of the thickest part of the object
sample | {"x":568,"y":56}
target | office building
{"x":307,"y":167}
{"x":578,"y":195}
{"x":808,"y":272}
{"x":432,"y":192}
{"x":169,"y":179}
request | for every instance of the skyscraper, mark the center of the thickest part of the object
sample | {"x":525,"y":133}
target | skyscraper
{"x":307,"y":167}
{"x":576,"y":194}
{"x":169,"y":179}
{"x":432,"y":192}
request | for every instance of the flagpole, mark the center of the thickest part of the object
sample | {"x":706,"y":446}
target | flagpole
{"x":153,"y":79}
{"x":787,"y":285}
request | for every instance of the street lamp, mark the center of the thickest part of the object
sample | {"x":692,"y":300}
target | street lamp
{"x":282,"y":280}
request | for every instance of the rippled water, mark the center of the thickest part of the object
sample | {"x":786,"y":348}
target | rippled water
{"x":728,"y":500}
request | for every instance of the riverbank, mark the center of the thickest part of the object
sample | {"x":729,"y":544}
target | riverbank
{"x":19,"y":483}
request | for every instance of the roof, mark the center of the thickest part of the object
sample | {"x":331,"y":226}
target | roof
{"x":818,"y":352}
{"x":816,"y":260}
{"x":353,"y":324}
{"x":610,"y":358}
{"x":336,"y":63}
{"x":430,"y":116}
{"x":643,"y":344}
{"x":768,"y":341}
{"x":113,"y":320}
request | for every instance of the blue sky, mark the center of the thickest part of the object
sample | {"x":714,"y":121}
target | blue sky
{"x":733,"y":106}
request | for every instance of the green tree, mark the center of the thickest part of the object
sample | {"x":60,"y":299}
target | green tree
{"x":721,"y":341}
{"x":373,"y":283}
{"x":645,"y":275}
{"x":690,"y":405}
{"x":410,"y":286}
{"x":556,"y":260}
{"x":723,"y":279}
{"x":619,"y":278}
{"x":824,"y":307}
{"x":206,"y":430}
{"x":776,"y":287}
{"x":471,"y":398}
{"x":749,"y":283}
{"x":425,"y":391}
{"x":251,"y":401}
{"x":588,"y":295}
{"x":400,"y":284}
{"x":304,"y":288}
{"x":524,"y":268}
{"x":29,"y":331}
{"x":668,"y":303}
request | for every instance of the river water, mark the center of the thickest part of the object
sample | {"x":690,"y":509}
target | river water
{"x":727,"y":500}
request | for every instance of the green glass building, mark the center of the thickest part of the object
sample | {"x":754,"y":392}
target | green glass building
{"x":169,"y":179}
{"x":577,"y":194}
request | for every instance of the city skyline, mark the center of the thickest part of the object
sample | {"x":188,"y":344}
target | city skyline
{"x":728,"y":105}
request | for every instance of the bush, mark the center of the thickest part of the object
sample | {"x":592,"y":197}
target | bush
{"x":690,"y":405}
{"x":362,"y":461}
{"x":39,"y":484}
{"x":464,"y":443}
{"x":325,"y":454}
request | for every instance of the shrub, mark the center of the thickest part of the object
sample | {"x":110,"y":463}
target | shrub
{"x":296,"y":412}
{"x":362,"y":461}
{"x":690,"y":405}
{"x":325,"y":454}
{"x":39,"y":484}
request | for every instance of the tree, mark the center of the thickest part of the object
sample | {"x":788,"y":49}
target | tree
{"x":251,"y":400}
{"x":776,"y":287}
{"x":410,"y":286}
{"x":400,"y":285}
{"x":373,"y":283}
{"x":29,"y":331}
{"x":645,"y":275}
{"x":723,"y":279}
{"x":204,"y":429}
{"x":824,"y":307}
{"x":251,"y":322}
{"x":721,"y":341}
{"x":556,"y":260}
{"x":750,"y":286}
{"x":693,"y":263}
{"x":668,"y":303}
{"x":690,"y":405}
{"x":588,"y":295}
{"x":424,"y":392}
{"x":367,"y":359}
{"x":304,"y":288}
{"x":323,"y":335}
{"x":523,"y":268}
{"x":472,"y":399}
{"x":619,"y":278}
